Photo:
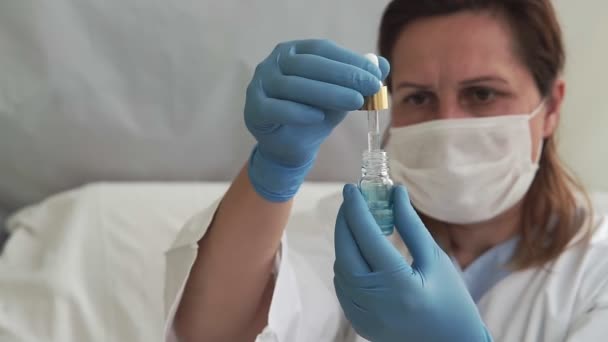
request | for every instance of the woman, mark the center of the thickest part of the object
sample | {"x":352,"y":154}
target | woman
{"x":504,"y":246}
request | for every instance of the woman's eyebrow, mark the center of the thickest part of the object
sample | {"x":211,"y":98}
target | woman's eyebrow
{"x":484,"y":79}
{"x":406,"y":84}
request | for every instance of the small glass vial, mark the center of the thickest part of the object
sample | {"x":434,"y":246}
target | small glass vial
{"x":376,"y":187}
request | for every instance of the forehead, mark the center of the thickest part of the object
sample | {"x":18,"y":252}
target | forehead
{"x":466,"y":42}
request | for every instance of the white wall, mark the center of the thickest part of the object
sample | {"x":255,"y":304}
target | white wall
{"x":115,"y":90}
{"x":584,"y":127}
{"x":122,"y":90}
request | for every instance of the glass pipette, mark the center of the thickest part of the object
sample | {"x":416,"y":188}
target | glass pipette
{"x":373,"y":131}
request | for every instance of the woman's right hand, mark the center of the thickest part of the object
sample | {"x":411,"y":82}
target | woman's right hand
{"x":297,"y":96}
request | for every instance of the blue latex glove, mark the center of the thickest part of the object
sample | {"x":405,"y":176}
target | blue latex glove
{"x":385,"y":298}
{"x":297,"y":96}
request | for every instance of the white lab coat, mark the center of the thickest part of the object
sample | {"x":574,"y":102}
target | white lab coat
{"x":565,"y":301}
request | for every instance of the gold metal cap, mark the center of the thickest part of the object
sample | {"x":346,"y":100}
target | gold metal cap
{"x":377,"y":101}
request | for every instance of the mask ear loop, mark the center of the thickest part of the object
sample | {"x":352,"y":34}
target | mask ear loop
{"x":540,"y":152}
{"x":542,"y":141}
{"x":537,"y":110}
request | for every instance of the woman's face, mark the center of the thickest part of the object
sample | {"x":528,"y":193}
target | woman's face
{"x":465,"y":65}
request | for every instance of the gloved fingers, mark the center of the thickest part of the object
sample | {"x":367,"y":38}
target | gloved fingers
{"x":414,"y":233}
{"x":331,"y":50}
{"x":348,"y":256}
{"x":356,"y":315}
{"x":376,"y":250}
{"x":385,"y":67}
{"x":345,"y":296}
{"x":279,"y":112}
{"x":314,"y":93}
{"x":334,"y":117}
{"x":326,"y":70}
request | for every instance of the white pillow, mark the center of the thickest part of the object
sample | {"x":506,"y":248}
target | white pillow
{"x":89,"y":264}
{"x":100,"y":90}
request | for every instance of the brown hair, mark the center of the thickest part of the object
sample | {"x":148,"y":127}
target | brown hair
{"x":550,"y":216}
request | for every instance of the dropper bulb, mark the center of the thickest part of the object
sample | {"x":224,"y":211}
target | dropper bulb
{"x":373,"y":58}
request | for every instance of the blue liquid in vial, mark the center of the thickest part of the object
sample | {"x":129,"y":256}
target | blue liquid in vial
{"x":378,"y":198}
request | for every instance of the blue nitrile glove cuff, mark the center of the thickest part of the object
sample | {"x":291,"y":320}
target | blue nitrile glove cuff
{"x":274,"y":182}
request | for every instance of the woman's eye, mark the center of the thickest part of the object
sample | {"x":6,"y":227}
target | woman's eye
{"x":482,"y":95}
{"x":417,"y":99}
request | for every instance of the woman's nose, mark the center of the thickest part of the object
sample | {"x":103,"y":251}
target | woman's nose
{"x":452,"y":111}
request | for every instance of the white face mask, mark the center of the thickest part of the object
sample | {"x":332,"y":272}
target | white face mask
{"x":464,"y":171}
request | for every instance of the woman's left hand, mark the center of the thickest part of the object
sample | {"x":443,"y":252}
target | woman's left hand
{"x":384,"y":297}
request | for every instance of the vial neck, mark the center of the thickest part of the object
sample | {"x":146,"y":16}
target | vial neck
{"x":374,"y":163}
